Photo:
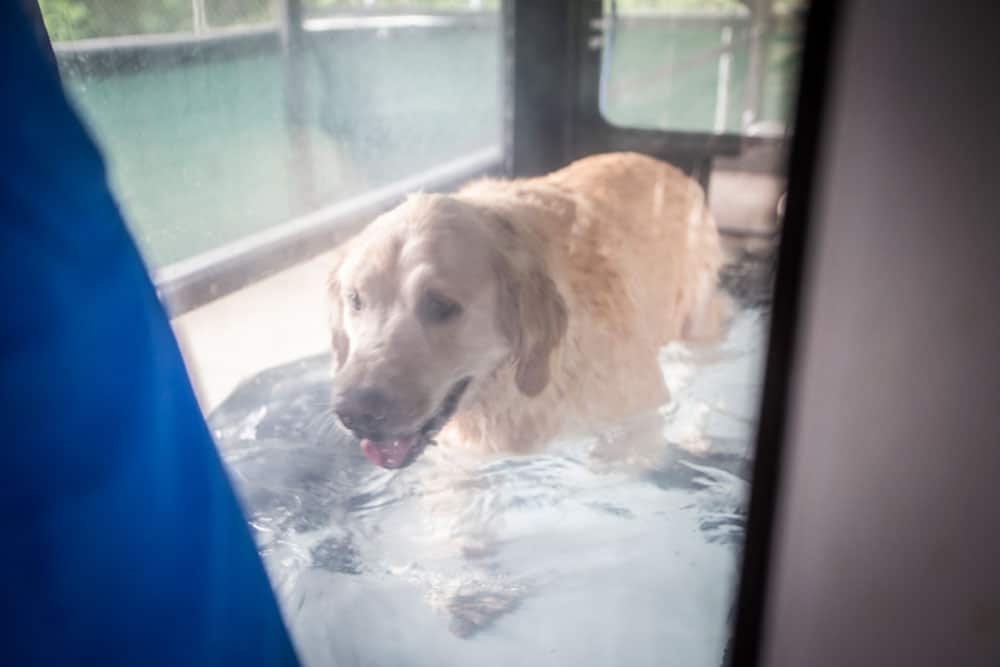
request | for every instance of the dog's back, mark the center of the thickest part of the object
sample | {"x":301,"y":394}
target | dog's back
{"x":635,"y":253}
{"x":635,"y":239}
{"x":652,"y":223}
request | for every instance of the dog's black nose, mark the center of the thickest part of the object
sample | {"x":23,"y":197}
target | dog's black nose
{"x":362,"y":411}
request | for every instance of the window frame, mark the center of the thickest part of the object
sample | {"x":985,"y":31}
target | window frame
{"x":554,"y":114}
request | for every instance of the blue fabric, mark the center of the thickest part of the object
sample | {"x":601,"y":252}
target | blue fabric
{"x":121,"y":541}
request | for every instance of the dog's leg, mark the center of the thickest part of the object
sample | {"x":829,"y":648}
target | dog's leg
{"x":637,"y":444}
{"x":476,"y":592}
{"x":476,"y":603}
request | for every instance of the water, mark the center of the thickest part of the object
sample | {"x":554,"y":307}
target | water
{"x":540,"y":560}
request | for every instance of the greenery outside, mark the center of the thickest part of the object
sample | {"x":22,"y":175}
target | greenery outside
{"x":70,"y":20}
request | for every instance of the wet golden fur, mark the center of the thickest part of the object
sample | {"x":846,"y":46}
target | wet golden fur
{"x":570,"y":284}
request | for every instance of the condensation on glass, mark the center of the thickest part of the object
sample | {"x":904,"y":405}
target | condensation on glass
{"x":217,"y":124}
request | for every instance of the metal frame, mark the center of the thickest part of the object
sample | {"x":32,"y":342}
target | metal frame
{"x":744,"y":649}
{"x":117,"y":53}
{"x":879,"y":546}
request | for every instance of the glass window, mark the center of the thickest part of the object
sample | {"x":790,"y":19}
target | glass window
{"x":214,"y":128}
{"x":713,"y":66}
{"x":246,"y":139}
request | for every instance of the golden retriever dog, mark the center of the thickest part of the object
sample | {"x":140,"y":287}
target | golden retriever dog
{"x":514,"y":312}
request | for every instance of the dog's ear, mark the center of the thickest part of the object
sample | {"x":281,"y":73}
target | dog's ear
{"x":532,"y":315}
{"x":338,"y":337}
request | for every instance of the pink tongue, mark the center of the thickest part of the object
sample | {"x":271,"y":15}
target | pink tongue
{"x":390,"y":454}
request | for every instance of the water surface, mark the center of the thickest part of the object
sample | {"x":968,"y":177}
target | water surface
{"x":538,"y":560}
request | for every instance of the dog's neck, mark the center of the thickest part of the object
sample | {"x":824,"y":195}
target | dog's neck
{"x":497,"y":418}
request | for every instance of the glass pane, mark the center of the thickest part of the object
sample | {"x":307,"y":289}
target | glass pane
{"x":229,"y":121}
{"x":195,"y":125}
{"x":714,"y":66}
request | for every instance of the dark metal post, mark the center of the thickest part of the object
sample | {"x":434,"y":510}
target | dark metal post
{"x":539,"y":85}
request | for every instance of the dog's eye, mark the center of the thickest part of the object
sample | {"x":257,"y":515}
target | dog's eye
{"x":436,"y":308}
{"x":354,"y":299}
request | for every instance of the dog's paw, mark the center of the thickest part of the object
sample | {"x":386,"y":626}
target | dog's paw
{"x":476,"y":608}
{"x":473,"y":605}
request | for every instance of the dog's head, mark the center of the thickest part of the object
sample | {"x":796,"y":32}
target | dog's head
{"x":427,"y":302}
